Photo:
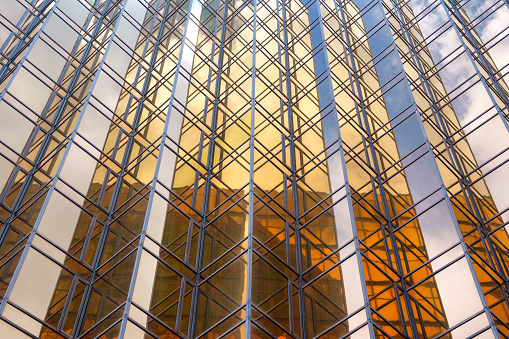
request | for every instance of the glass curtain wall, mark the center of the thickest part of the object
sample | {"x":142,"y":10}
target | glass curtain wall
{"x":254,"y":169}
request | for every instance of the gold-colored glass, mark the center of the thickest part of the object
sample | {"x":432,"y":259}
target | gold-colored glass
{"x":254,"y":169}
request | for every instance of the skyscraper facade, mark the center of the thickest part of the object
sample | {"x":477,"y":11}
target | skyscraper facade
{"x":254,"y":169}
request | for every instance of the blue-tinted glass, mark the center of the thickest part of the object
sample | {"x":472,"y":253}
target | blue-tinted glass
{"x":397,"y":99}
{"x":409,"y":135}
{"x":380,"y":40}
{"x":388,"y":67}
{"x":372,"y":17}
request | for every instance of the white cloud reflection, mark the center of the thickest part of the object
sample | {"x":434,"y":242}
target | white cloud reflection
{"x":490,"y":137}
{"x":471,"y":102}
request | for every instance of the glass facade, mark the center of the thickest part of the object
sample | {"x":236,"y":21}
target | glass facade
{"x":254,"y":169}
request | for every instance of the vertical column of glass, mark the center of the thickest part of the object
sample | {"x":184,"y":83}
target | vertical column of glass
{"x":24,"y":108}
{"x":481,"y":114}
{"x":275,"y":297}
{"x":401,"y":252}
{"x":361,"y":115}
{"x":44,"y":151}
{"x":165,"y":270}
{"x":222,"y":293}
{"x":136,"y":145}
{"x":42,"y":54}
{"x":329,"y":250}
{"x":478,"y":27}
{"x":27,"y":85}
{"x":297,"y":298}
{"x":448,"y":96}
{"x":29,"y":110}
{"x":447,"y":252}
{"x":488,"y":34}
{"x":57,"y":221}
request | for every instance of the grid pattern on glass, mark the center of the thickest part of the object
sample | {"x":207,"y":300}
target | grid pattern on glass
{"x":254,"y":169}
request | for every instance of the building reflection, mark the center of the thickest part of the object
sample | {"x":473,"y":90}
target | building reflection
{"x":258,"y":169}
